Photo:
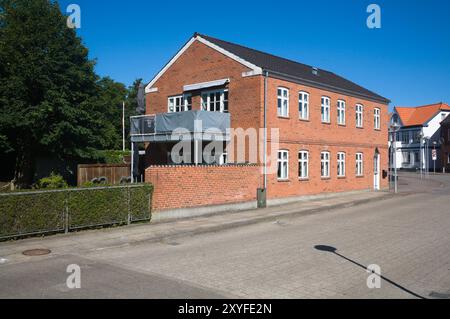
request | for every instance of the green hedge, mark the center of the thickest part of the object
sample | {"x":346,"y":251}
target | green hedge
{"x":29,"y":213}
{"x":43,"y":212}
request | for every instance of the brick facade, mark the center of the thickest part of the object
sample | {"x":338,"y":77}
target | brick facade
{"x":190,"y":186}
{"x":177,"y":187}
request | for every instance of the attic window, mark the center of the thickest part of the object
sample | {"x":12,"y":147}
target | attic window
{"x":315,"y":71}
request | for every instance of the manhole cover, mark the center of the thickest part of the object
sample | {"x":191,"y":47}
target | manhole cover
{"x":439,"y":295}
{"x":36,"y":252}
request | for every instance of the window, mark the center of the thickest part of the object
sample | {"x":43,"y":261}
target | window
{"x":359,"y":115}
{"x":341,"y":164}
{"x":283,"y":165}
{"x":341,"y":112}
{"x":416,"y":157}
{"x":303,"y":105}
{"x":325,"y":164}
{"x":448,"y":158}
{"x":325,"y":109}
{"x":180,"y":103}
{"x":405,"y":137}
{"x":416,"y":137}
{"x":303,"y":158}
{"x":376,"y":119}
{"x":359,"y":164}
{"x":215,"y":101}
{"x":406,"y":157}
{"x":283,"y":102}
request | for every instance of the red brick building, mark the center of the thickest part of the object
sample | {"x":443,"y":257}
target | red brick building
{"x":332,"y":132}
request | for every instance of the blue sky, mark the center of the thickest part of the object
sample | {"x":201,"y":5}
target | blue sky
{"x":407,"y":60}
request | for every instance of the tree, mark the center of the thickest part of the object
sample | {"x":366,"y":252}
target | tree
{"x":47,"y":88}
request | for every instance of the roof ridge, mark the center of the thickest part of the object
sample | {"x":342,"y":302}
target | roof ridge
{"x":420,"y":106}
{"x":259,"y":51}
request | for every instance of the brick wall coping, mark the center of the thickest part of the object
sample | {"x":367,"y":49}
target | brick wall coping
{"x":204,"y":166}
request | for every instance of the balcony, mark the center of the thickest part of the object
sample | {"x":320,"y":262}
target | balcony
{"x":189,"y":125}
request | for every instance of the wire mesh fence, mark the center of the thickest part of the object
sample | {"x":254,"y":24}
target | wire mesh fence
{"x":44,"y":212}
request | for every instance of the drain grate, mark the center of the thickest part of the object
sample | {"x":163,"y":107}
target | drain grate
{"x":36,"y":252}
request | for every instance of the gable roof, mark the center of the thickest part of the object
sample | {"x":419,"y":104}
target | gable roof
{"x":289,"y":68}
{"x":420,"y":115}
{"x":259,"y":62}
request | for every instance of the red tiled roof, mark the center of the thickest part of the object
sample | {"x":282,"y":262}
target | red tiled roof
{"x":414,"y":116}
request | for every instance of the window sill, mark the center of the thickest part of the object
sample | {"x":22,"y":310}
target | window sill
{"x":304,"y":120}
{"x":342,"y":125}
{"x":283,"y":180}
{"x":378,"y":129}
{"x":325,"y":178}
{"x":360,"y":127}
{"x":303,"y":179}
{"x":341,"y":177}
{"x":360,"y":176}
{"x":326,"y":123}
{"x":283,"y":117}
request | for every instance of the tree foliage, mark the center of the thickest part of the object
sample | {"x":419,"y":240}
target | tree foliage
{"x":51,"y":100}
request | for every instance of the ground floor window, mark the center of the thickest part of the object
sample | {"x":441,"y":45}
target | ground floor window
{"x":341,"y":164}
{"x":359,"y":164}
{"x":283,"y":165}
{"x":303,"y":159}
{"x":325,"y":164}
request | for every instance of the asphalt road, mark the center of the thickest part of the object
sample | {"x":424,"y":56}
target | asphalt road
{"x":408,"y":237}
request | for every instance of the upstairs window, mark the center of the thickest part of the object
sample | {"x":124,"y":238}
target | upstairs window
{"x":359,"y":115}
{"x":180,"y":103}
{"x":215,"y":101}
{"x":283,"y":102}
{"x":325,"y":109}
{"x":376,"y":119}
{"x":341,"y":164}
{"x":303,"y":105}
{"x":341,"y":112}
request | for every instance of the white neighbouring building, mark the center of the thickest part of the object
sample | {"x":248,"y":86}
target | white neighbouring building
{"x":418,"y":133}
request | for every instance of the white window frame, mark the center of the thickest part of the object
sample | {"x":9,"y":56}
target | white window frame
{"x":223,"y":100}
{"x":184,"y":99}
{"x":282,"y":102}
{"x":341,"y":112}
{"x":325,"y":164}
{"x":325,"y":103}
{"x":341,"y":164}
{"x":303,"y":164}
{"x":359,"y":164}
{"x":303,"y":105}
{"x":283,"y":165}
{"x":359,"y":115}
{"x":377,"y":118}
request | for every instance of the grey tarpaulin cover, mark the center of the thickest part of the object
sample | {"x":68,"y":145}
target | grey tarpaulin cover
{"x":168,"y":122}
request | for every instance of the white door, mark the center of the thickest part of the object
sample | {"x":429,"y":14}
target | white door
{"x":376,"y":172}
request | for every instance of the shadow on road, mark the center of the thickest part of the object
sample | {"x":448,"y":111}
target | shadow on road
{"x":333,"y":250}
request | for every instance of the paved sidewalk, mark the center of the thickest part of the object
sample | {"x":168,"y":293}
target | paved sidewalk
{"x":96,"y":240}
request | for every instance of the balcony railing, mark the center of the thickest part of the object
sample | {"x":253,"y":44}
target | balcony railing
{"x":163,"y":127}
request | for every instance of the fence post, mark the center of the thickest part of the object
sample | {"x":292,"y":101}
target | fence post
{"x":129,"y":204}
{"x":66,"y":215}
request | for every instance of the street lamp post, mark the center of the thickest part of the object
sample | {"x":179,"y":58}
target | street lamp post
{"x":421,"y":140}
{"x":394,"y":128}
{"x":434,"y":159}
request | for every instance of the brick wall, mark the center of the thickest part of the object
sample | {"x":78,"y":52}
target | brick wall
{"x":315,"y":137}
{"x":190,"y":186}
